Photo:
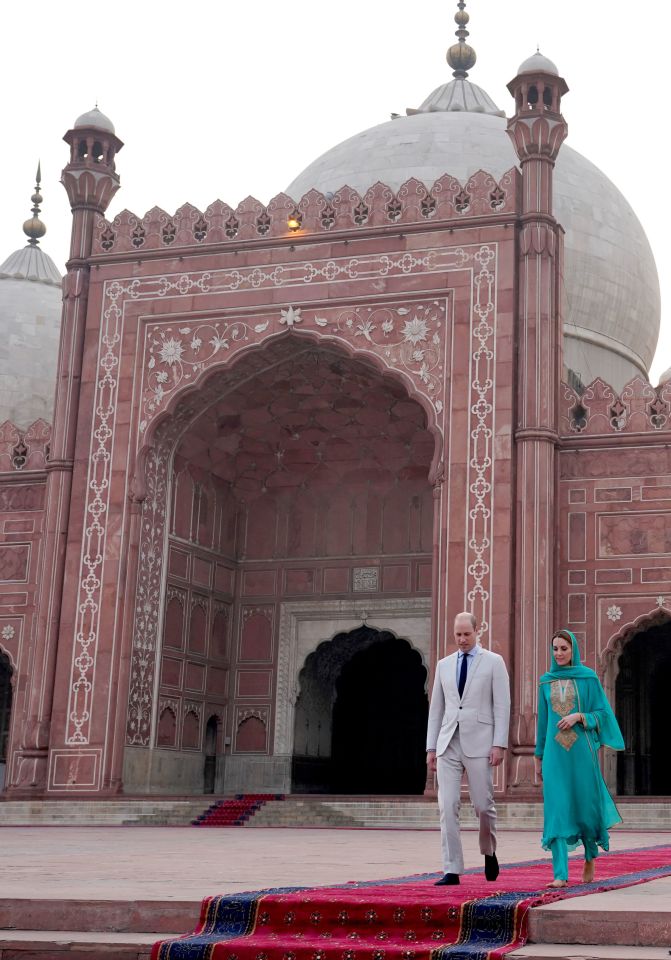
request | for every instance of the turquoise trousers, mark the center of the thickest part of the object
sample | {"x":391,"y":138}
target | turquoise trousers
{"x":559,"y":852}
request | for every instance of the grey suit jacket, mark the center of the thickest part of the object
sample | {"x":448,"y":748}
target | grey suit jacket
{"x":483,"y":713}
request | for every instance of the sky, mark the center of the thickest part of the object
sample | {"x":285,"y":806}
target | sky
{"x":219,"y":100}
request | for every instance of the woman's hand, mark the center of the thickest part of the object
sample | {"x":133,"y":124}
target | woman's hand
{"x":569,"y":721}
{"x":538,"y":768}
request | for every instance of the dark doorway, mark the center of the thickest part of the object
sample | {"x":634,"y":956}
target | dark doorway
{"x":210,"y":776}
{"x":379,"y":721}
{"x":5,"y":712}
{"x":641,"y":693}
{"x":361,"y":717}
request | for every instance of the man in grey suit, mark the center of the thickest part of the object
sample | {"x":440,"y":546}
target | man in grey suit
{"x":468,"y":725}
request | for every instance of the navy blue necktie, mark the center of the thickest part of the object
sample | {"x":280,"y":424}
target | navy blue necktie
{"x":462,"y":674}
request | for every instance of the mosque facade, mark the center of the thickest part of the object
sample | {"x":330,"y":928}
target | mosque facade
{"x":291,"y":441}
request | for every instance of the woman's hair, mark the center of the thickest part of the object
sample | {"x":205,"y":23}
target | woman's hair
{"x":564,"y":634}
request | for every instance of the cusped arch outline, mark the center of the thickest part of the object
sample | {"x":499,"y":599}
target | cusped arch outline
{"x":610,"y":669}
{"x":13,"y":666}
{"x":305,"y":625}
{"x":159,"y":426}
{"x":619,"y":640}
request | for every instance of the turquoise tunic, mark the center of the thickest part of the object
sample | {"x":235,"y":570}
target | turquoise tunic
{"x":577,"y":805}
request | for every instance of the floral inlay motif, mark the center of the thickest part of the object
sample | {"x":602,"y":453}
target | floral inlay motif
{"x":290,"y":316}
{"x":415,"y":330}
{"x":178,"y":355}
{"x":614,"y":613}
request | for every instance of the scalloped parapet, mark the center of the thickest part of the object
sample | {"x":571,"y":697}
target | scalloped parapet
{"x":599,"y":410}
{"x":315,"y":213}
{"x":24,"y":449}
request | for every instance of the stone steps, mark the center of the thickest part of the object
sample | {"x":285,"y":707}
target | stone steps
{"x":629,"y":924}
{"x":121,"y":812}
{"x":300,"y":811}
{"x":85,"y":929}
{"x":59,"y":945}
{"x":156,"y":917}
{"x":422,"y":814}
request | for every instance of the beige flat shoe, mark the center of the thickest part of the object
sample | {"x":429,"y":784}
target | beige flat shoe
{"x":558,"y":883}
{"x":588,"y":871}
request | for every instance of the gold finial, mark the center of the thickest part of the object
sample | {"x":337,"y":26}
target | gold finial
{"x":461,"y":56}
{"x":34,"y":228}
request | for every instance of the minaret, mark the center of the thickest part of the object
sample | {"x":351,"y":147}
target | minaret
{"x":91,"y":181}
{"x":537,"y":131}
{"x":90,"y":178}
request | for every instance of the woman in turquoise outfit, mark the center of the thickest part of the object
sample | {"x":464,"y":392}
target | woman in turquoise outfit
{"x":574,"y":721}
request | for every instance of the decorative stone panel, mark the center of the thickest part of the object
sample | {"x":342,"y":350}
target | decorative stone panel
{"x":404,"y":337}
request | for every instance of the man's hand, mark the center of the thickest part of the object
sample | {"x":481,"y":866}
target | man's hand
{"x":431,"y":760}
{"x":495,"y":756}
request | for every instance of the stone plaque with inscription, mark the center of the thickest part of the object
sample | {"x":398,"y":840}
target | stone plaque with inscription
{"x":366,"y":579}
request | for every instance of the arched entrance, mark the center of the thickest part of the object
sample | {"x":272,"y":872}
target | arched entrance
{"x":301,"y":472}
{"x":5,"y":712}
{"x":210,"y":773}
{"x":360,"y":721}
{"x":641,"y":697}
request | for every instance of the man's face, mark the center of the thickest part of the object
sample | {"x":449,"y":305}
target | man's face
{"x":464,"y":633}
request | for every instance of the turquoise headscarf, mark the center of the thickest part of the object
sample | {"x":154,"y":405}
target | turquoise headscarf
{"x":608,"y":733}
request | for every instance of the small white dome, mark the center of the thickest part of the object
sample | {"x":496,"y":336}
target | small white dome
{"x":30,"y":315}
{"x":611,"y":290}
{"x":95,"y":118}
{"x":459,"y":95}
{"x":537,"y":63}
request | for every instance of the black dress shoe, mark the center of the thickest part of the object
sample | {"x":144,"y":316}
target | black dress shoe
{"x":449,"y":880}
{"x":491,"y":866}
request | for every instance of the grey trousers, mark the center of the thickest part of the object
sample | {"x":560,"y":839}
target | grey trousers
{"x":479,"y":772}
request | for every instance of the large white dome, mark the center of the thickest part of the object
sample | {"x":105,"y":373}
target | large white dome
{"x":30,"y":315}
{"x":611,"y":290}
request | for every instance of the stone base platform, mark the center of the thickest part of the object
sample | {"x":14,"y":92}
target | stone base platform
{"x":110,"y":892}
{"x":302,"y":810}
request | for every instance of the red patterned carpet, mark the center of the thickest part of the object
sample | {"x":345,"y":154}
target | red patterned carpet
{"x":405,"y":919}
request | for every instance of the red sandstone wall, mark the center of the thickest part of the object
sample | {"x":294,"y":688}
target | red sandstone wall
{"x":220,"y":632}
{"x":22,"y":497}
{"x":615,"y":541}
{"x":429,"y":305}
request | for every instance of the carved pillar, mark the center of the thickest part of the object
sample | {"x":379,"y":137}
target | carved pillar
{"x":537,"y":130}
{"x":438,"y":600}
{"x":91,"y":182}
{"x":118,"y":711}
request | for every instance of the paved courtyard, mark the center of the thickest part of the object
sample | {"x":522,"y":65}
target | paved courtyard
{"x":187,"y":863}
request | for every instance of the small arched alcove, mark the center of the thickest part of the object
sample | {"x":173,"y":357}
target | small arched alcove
{"x":360,"y":720}
{"x":641,"y":694}
{"x":5,"y":712}
{"x":210,"y":769}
